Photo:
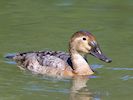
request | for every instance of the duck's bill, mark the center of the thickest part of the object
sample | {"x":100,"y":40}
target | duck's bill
{"x":98,"y":54}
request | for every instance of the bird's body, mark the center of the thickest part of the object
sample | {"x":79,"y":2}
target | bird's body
{"x":62,"y":63}
{"x":44,"y":62}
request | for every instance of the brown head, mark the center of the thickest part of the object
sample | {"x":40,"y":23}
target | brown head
{"x":84,"y":42}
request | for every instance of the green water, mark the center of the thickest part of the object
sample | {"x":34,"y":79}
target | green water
{"x":27,"y":25}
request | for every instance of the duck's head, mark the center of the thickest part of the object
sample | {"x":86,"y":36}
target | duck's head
{"x":84,"y":42}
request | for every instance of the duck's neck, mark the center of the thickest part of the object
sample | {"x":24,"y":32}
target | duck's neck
{"x":79,"y":63}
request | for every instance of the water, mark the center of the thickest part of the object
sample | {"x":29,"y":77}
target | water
{"x":47,"y":25}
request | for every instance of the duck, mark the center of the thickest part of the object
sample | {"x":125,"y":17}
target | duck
{"x":59,"y":63}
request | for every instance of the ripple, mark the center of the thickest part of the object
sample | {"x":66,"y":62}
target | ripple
{"x":126,"y":77}
{"x":128,"y":69}
{"x":96,"y":66}
{"x":9,"y":55}
{"x":93,"y":76}
{"x":10,"y":62}
{"x":65,"y":3}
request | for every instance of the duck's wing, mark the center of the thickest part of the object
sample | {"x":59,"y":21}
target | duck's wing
{"x":54,"y":59}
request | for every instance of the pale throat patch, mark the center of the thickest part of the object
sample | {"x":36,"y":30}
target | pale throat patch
{"x":81,"y":66}
{"x":80,"y":61}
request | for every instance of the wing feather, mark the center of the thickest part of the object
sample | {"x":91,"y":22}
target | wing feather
{"x":55,"y":59}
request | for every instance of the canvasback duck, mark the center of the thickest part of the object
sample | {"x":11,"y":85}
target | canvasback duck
{"x":62,"y":63}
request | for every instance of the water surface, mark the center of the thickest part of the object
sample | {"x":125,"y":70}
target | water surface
{"x":47,"y":25}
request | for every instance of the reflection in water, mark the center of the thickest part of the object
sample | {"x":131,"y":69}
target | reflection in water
{"x":79,"y":90}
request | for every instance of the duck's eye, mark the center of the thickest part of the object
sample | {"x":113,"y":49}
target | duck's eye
{"x":84,"y":39}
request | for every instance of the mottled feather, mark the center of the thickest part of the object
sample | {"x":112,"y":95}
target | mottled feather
{"x":47,"y":59}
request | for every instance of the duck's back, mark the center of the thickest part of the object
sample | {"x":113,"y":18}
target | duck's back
{"x":44,"y":61}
